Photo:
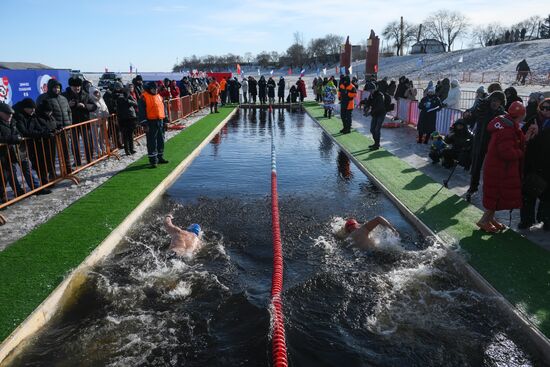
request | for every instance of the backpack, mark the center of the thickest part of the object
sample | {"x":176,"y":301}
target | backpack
{"x":388,"y":105}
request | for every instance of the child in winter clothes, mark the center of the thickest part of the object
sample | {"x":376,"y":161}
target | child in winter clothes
{"x":438,"y":145}
{"x":329,"y":96}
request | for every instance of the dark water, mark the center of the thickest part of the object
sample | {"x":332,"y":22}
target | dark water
{"x":401,"y":305}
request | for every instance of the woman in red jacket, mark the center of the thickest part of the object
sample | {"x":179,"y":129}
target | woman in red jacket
{"x":503,"y":167}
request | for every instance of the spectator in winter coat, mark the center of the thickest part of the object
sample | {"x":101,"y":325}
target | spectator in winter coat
{"x":271,"y":90}
{"x":138,"y":85}
{"x":8,"y":153}
{"x":459,"y":146}
{"x":48,"y":123}
{"x":281,"y":90}
{"x":410,"y":92}
{"x":532,"y":108}
{"x":502,"y":169}
{"x":480,"y":96}
{"x":99,"y":127}
{"x":185,"y":87}
{"x":60,"y":106}
{"x":428,"y":107}
{"x":453,"y":98}
{"x":494,"y":87}
{"x":223,"y":91}
{"x":377,"y":110}
{"x":262,"y":90}
{"x":244,"y":86}
{"x":234,"y":87}
{"x":252,"y":88}
{"x":329,"y":97}
{"x":127,"y":116}
{"x":314,"y":86}
{"x":214,"y":92}
{"x":391,"y":88}
{"x":164,"y":89}
{"x":401,"y":88}
{"x":443,"y":91}
{"x":174,"y":89}
{"x":301,"y":85}
{"x":152,"y":114}
{"x":383,"y":85}
{"x":487,"y":110}
{"x":536,"y":168}
{"x":430,"y":85}
{"x":30,"y":150}
{"x":293,"y":95}
{"x":511,"y":96}
{"x":523,"y":70}
{"x":81,"y":105}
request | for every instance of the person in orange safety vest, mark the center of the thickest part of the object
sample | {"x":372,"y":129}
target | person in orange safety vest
{"x":346,"y":95}
{"x":151,"y":115}
{"x":223,"y":90}
{"x":213,"y":91}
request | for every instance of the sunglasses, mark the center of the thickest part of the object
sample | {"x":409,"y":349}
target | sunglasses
{"x":545,"y":108}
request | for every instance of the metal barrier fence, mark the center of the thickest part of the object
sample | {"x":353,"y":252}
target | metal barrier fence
{"x":42,"y":162}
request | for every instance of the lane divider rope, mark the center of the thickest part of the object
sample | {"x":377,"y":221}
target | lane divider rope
{"x":278,"y":338}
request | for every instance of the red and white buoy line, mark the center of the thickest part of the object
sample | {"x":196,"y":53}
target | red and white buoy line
{"x":278,"y":326}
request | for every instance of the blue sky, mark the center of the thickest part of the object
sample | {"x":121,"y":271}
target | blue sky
{"x":93,"y":34}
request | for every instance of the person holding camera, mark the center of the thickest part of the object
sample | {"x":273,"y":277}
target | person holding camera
{"x":459,"y":146}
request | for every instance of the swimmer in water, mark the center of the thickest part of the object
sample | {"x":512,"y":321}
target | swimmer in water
{"x":184,"y":242}
{"x":360,"y":233}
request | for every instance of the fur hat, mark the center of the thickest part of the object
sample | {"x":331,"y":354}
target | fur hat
{"x":28,"y":103}
{"x":75,"y":82}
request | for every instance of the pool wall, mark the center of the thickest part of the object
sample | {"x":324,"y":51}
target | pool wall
{"x":24,"y":282}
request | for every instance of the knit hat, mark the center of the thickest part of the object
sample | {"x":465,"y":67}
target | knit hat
{"x":454,"y":83}
{"x":151,"y":85}
{"x":516,"y":109}
{"x":118,"y":86}
{"x":139,"y":77}
{"x":75,"y":82}
{"x":481,"y":89}
{"x":28,"y":103}
{"x":431,"y":89}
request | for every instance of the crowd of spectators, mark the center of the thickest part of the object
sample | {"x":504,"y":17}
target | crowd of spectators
{"x":28,"y":130}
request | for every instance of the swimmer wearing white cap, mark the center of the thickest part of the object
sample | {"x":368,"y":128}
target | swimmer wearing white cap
{"x":360,"y":233}
{"x":184,"y":242}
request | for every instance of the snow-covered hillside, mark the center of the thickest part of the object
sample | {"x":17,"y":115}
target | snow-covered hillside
{"x":501,"y":58}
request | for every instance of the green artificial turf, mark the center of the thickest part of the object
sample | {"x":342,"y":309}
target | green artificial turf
{"x":32,"y":267}
{"x":516,"y":267}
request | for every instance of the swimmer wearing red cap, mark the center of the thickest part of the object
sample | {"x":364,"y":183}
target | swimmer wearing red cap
{"x":184,"y":242}
{"x":360,"y":233}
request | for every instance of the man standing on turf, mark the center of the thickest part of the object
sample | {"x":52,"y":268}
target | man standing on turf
{"x":346,"y":94}
{"x":151,"y":114}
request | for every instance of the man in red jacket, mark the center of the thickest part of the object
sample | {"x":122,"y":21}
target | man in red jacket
{"x":503,"y":166}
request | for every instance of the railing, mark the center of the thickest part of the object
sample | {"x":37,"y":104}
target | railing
{"x":43,"y":162}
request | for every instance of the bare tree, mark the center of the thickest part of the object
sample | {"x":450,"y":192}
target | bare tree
{"x":298,"y":38}
{"x":297,"y":54}
{"x":334,"y":42}
{"x":446,"y":26}
{"x":263,"y":59}
{"x":483,"y":34}
{"x":318,"y":48}
{"x":531,"y":26}
{"x":392,"y":32}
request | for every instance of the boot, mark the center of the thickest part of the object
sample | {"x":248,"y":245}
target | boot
{"x":325,"y":113}
{"x":329,"y":114}
{"x":162,"y":160}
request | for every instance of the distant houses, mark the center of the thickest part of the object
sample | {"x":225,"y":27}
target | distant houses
{"x":428,"y":46}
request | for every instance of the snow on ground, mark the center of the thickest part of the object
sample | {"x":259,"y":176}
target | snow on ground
{"x":29,"y":213}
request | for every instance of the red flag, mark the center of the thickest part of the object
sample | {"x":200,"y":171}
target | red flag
{"x":238,"y":69}
{"x":289,"y":71}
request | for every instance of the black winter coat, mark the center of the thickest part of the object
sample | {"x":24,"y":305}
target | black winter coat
{"x":536,"y":155}
{"x":262,"y":87}
{"x":29,"y":126}
{"x":8,"y":135}
{"x":400,"y":90}
{"x":48,"y":122}
{"x":253,"y":87}
{"x":80,"y":114}
{"x":376,"y":103}
{"x":281,"y":89}
{"x":443,"y":91}
{"x":428,"y":107}
{"x":459,"y":140}
{"x":61,"y":111}
{"x":271,"y":88}
{"x":126,"y":106}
